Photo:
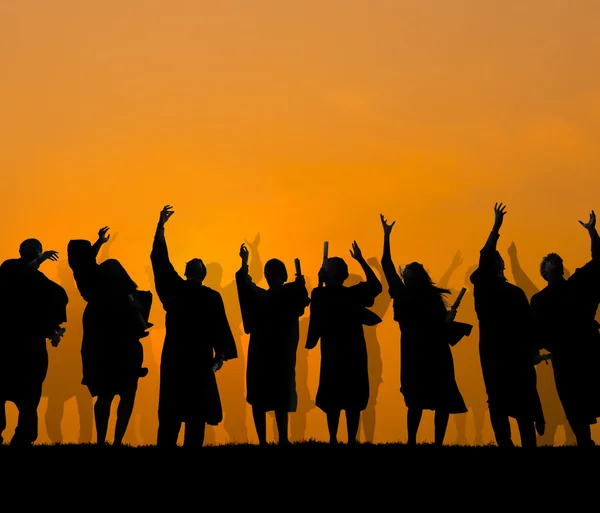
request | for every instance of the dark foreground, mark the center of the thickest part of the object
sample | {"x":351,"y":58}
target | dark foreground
{"x":379,"y":475}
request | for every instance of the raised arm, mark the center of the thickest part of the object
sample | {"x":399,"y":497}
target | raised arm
{"x":246,"y":289}
{"x":454,"y":265}
{"x":521,"y":279}
{"x":492,"y":240}
{"x":590,"y":226}
{"x":103,"y":238}
{"x":46,"y":255}
{"x":165,"y":274}
{"x":255,"y":267}
{"x":81,"y":255}
{"x":395,"y":283}
{"x":372,"y":281}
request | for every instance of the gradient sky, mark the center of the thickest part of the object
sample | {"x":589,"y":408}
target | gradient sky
{"x":302,"y":121}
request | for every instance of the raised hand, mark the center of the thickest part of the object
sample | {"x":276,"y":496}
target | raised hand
{"x":499,"y":213}
{"x":355,"y":252}
{"x":49,"y":255}
{"x":591,"y":224}
{"x":374,"y":263}
{"x":457,"y":260}
{"x":102,"y":234}
{"x":387,"y":228}
{"x":512,"y":250}
{"x":165,"y":214}
{"x":254,"y":244}
{"x":244,"y":253}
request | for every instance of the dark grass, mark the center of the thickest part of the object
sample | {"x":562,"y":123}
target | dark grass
{"x":305,"y":477}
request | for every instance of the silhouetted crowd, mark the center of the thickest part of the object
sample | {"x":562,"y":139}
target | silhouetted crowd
{"x":517,"y":331}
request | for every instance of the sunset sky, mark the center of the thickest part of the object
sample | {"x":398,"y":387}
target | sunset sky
{"x":302,"y":121}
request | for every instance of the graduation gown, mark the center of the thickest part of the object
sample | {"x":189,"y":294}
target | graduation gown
{"x":507,"y":349}
{"x":427,"y":379}
{"x":337,"y":315}
{"x":564,"y":321}
{"x":271,"y":318}
{"x":196,"y":329}
{"x":31,"y":307}
{"x":111,"y":352}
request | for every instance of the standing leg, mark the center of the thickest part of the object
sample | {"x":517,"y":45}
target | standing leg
{"x":501,"y":426}
{"x":368,"y":423}
{"x":260,"y":423}
{"x":282,"y":419}
{"x":54,"y":417}
{"x":124,"y":411}
{"x":168,"y":431}
{"x":440,"y":423}
{"x":352,"y":424}
{"x":194,"y":433}
{"x":460,"y":419}
{"x":527,"y":432}
{"x":85,"y":410}
{"x":102,"y":413}
{"x":26,"y":432}
{"x":413,"y":420}
{"x":333,"y":423}
{"x":583,"y":432}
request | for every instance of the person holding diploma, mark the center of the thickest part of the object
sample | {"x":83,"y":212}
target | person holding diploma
{"x":271,"y":318}
{"x":427,"y":379}
{"x":337,"y":316}
{"x":564,"y":322}
{"x":506,"y":348}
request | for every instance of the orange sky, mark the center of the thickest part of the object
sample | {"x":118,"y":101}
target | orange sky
{"x":302,"y":121}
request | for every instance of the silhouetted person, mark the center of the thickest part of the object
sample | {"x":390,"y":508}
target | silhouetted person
{"x":553,"y":410}
{"x":63,"y":381}
{"x":198,"y":340}
{"x":232,"y":377}
{"x":32,"y":309}
{"x":114,"y":321}
{"x":564,"y":317}
{"x":337,"y":315}
{"x":506,"y":349}
{"x":271,"y":318}
{"x":428,"y":328}
{"x":305,"y":401}
{"x":380,"y":307}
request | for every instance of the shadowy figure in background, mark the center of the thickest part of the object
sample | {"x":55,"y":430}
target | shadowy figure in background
{"x":507,"y":351}
{"x":271,"y":318}
{"x":463,"y":361}
{"x":305,"y":401}
{"x":337,"y":315}
{"x":427,"y":330}
{"x":468,"y":370}
{"x":232,"y":377}
{"x":198,"y":341}
{"x":380,"y":307}
{"x":114,"y":321}
{"x":553,"y":410}
{"x":32,"y":309}
{"x":564,"y":318}
{"x":63,"y":381}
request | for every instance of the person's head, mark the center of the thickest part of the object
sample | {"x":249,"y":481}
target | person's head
{"x":30,"y":249}
{"x":115,"y":275}
{"x":195,"y":270}
{"x":275,"y":273}
{"x":337,"y":271}
{"x":416,"y":277}
{"x":214,"y":275}
{"x":551,"y":268}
